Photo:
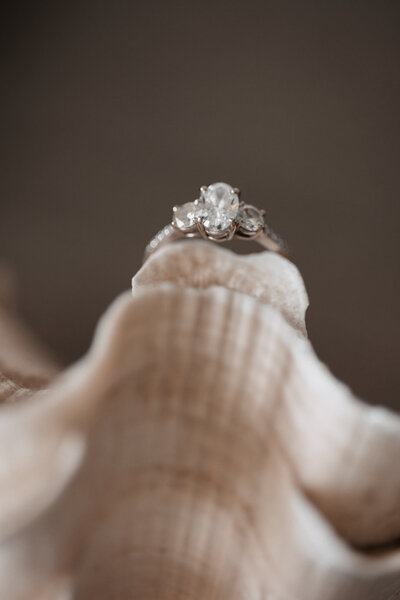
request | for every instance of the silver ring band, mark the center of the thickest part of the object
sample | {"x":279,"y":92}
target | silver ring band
{"x":218,"y":215}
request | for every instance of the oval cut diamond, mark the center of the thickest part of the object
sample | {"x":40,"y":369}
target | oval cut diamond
{"x":185,"y":216}
{"x":220,"y":207}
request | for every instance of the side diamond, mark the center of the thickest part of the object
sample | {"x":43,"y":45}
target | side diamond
{"x":251,"y":219}
{"x":184,"y":216}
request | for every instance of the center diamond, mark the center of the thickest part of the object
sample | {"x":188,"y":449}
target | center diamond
{"x":219,"y":207}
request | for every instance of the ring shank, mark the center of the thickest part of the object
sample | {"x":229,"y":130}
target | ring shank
{"x":272,"y":241}
{"x":266,"y":238}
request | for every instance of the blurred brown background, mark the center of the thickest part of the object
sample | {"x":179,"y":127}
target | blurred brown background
{"x":112,"y":112}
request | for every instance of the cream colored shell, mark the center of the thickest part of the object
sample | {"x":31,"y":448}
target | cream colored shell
{"x":200,"y":451}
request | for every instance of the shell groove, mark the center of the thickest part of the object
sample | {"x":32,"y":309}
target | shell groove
{"x":200,"y":450}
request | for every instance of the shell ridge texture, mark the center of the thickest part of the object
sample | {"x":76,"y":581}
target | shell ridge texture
{"x":200,"y":450}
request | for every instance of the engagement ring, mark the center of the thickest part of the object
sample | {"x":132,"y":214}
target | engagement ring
{"x":218,"y":215}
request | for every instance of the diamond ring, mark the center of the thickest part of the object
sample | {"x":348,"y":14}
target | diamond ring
{"x":218,"y":215}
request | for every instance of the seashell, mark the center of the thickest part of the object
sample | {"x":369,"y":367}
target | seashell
{"x":263,"y":276}
{"x":200,"y":450}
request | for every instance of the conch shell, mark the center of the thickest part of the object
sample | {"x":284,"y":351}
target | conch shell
{"x":200,"y":451}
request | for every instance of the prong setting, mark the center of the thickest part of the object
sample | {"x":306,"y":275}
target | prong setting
{"x":202,"y":231}
{"x":218,"y":214}
{"x":224,"y":236}
{"x":203,"y":191}
{"x":236,"y":191}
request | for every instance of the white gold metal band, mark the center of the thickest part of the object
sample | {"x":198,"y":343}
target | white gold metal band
{"x":266,"y":238}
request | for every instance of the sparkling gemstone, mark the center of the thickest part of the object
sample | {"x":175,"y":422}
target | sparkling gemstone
{"x":219,"y":206}
{"x":185,"y":215}
{"x":251,"y":219}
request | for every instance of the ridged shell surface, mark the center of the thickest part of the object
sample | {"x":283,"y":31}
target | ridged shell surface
{"x":200,"y":451}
